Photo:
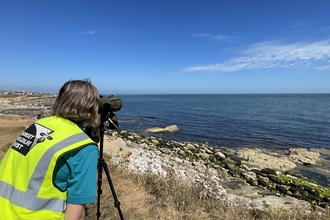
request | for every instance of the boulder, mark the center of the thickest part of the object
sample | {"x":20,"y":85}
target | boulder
{"x":168,"y":129}
{"x":263,"y":159}
{"x":303,"y":156}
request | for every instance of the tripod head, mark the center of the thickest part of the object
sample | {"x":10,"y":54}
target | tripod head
{"x":108,"y":121}
{"x":107,"y":105}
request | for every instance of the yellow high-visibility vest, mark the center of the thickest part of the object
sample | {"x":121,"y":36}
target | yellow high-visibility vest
{"x":27,"y":171}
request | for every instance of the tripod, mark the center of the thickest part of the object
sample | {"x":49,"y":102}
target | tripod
{"x":102,"y":165}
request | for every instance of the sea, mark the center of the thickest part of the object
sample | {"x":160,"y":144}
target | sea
{"x":272,"y":122}
{"x":269,"y":121}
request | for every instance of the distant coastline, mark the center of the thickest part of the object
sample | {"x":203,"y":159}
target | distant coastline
{"x":23,"y":92}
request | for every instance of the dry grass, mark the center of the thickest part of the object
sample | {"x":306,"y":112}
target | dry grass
{"x":149,"y":197}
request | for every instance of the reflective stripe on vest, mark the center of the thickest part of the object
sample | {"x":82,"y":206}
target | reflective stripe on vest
{"x":29,"y":198}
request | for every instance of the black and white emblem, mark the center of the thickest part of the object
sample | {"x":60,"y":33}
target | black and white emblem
{"x":33,"y":135}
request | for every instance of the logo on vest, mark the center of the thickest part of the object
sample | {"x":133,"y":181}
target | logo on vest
{"x":33,"y":135}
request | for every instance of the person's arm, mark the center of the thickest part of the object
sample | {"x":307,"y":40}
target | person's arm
{"x":74,"y":212}
{"x":77,"y":175}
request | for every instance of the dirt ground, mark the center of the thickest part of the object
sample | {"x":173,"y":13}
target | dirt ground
{"x":10,"y":128}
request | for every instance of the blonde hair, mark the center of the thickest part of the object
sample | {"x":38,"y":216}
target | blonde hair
{"x":78,"y":100}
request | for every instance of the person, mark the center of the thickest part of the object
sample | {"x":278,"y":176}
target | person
{"x":49,"y":172}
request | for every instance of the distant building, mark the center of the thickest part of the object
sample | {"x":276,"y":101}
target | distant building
{"x":21,"y":92}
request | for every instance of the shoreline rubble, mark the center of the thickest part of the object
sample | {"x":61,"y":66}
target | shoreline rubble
{"x":227,"y":177}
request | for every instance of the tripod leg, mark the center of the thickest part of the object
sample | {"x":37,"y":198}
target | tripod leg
{"x":116,"y":201}
{"x":99,"y":188}
{"x":102,"y":165}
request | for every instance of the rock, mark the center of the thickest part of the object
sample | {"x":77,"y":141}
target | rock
{"x":229,"y":164}
{"x":259,"y":173}
{"x":219,"y":156}
{"x":285,"y":203}
{"x":261,"y":159}
{"x":237,"y":160}
{"x":290,"y":172}
{"x":203,"y":156}
{"x":282,"y":189}
{"x":165,"y":150}
{"x":269,"y":171}
{"x":303,"y":156}
{"x":276,"y":180}
{"x":326,"y":199}
{"x":250,"y":178}
{"x":262,"y":182}
{"x":190,"y":173}
{"x":168,"y":129}
{"x":297,"y":192}
{"x":190,"y":147}
{"x":211,"y":171}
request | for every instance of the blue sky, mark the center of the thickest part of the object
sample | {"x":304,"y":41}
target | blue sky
{"x":167,"y":46}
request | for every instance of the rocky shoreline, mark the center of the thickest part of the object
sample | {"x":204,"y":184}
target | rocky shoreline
{"x":253,"y":177}
{"x":220,"y":172}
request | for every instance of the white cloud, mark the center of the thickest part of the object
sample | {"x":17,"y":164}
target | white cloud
{"x":273,"y":54}
{"x":89,"y":32}
{"x":325,"y":67}
{"x":224,"y":38}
